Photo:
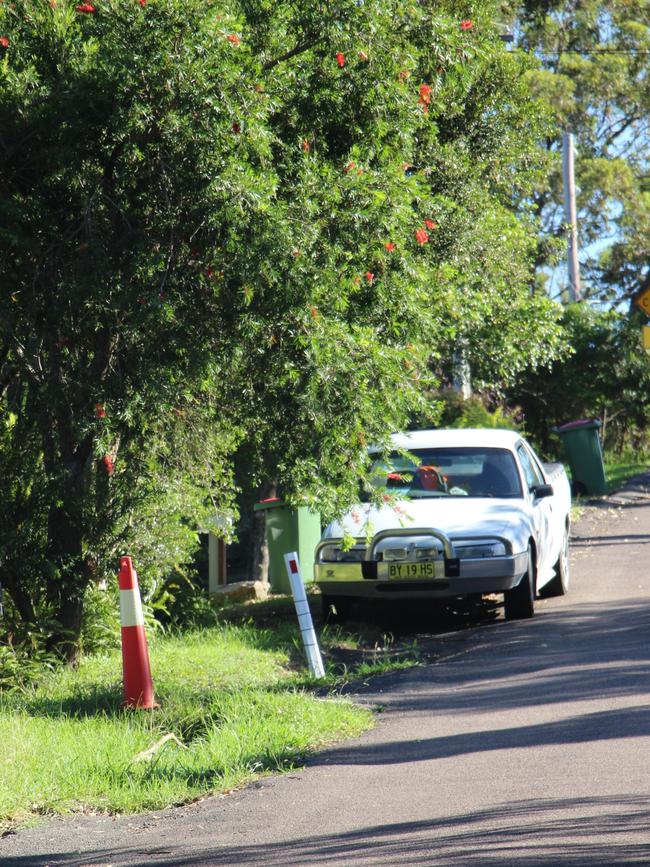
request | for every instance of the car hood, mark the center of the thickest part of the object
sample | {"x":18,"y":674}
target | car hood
{"x":455,"y":517}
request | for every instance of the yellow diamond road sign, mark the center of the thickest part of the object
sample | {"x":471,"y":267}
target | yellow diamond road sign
{"x":643,"y":302}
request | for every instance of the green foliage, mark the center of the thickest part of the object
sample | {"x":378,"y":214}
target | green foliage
{"x":111,"y":435}
{"x":254,"y":228}
{"x":606,"y":377}
{"x":364,"y":162}
{"x":477,"y":415}
{"x":24,"y":666}
{"x":594,"y":58}
{"x":474,"y":412}
{"x":181,"y":602}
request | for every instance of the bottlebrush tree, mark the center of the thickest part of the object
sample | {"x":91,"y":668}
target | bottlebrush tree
{"x":243,"y":228}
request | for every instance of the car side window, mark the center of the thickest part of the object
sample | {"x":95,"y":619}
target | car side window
{"x":531,"y":471}
{"x":536,"y":464}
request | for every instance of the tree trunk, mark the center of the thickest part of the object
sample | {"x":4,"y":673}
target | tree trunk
{"x":258,"y":560}
{"x":65,"y":640}
{"x":69,"y":568}
{"x":20,"y":599}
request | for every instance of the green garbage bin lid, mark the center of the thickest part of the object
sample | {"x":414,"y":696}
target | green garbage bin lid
{"x":582,"y":423}
{"x":269,"y":503}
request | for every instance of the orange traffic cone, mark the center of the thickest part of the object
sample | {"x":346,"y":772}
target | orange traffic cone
{"x":138,"y":686}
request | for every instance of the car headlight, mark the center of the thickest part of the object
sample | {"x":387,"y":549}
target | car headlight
{"x":394,"y":554}
{"x":477,"y":549}
{"x":335,"y":554}
{"x":403,"y":554}
{"x":428,"y":553}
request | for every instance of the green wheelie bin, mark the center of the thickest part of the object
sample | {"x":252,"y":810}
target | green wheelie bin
{"x":289,"y":529}
{"x":582,"y":446}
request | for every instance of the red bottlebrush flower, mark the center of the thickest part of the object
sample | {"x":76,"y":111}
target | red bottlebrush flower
{"x":389,"y":246}
{"x":466,"y":24}
{"x":109,"y":465}
{"x":313,"y":311}
{"x":431,"y":224}
{"x":340,"y":59}
{"x":233,"y":38}
{"x":209,"y":273}
{"x":425,"y":94}
{"x":421,"y":236}
{"x":86,"y":8}
{"x":363,"y":55}
{"x":4,"y":42}
{"x":349,"y":167}
{"x":404,"y":74}
{"x":142,"y":3}
{"x":370,"y":276}
{"x":100,"y":411}
{"x":53,"y":4}
{"x":305,"y":145}
{"x":236,"y":128}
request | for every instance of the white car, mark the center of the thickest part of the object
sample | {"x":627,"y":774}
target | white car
{"x":463,"y":512}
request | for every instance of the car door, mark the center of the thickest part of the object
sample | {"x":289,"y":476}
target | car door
{"x":541,"y":508}
{"x":556,"y":518}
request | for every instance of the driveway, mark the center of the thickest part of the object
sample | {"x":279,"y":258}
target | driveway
{"x":525,"y":743}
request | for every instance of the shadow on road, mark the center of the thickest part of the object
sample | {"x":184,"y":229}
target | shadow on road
{"x":629,"y":539}
{"x":605,"y":725}
{"x":562,"y":832}
{"x":585,"y":652}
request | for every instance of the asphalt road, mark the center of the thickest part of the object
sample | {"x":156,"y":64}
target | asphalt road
{"x":525,"y":743}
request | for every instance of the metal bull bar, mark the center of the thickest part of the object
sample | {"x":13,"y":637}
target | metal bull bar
{"x":452,"y":563}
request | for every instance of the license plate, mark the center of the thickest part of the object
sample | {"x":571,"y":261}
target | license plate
{"x":411,"y":570}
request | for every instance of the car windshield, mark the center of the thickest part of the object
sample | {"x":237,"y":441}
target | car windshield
{"x":447,"y":472}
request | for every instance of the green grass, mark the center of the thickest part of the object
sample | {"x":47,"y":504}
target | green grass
{"x":617,"y":473}
{"x":235,"y":696}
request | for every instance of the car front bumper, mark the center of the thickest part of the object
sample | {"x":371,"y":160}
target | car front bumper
{"x":487,"y":575}
{"x":446,"y":576}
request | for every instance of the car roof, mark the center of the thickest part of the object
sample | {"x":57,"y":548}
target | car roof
{"x":456,"y":437}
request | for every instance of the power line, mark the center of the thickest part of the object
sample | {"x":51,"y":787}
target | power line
{"x":597,"y":51}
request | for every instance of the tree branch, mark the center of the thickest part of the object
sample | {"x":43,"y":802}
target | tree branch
{"x":299,"y":49}
{"x":611,"y":138}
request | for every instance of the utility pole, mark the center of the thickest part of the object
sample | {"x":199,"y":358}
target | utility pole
{"x":568,"y":174}
{"x":461,"y":374}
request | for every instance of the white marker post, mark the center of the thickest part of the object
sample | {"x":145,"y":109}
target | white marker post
{"x":309,"y":639}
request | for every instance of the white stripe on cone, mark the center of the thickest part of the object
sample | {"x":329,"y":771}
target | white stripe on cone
{"x":131,"y":608}
{"x":309,"y":640}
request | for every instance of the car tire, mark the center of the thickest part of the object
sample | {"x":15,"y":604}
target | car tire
{"x":559,"y":584}
{"x":519,"y":603}
{"x":335,"y":609}
{"x":578,"y":489}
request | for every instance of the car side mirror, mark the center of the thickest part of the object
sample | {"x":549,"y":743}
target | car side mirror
{"x":541,"y":491}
